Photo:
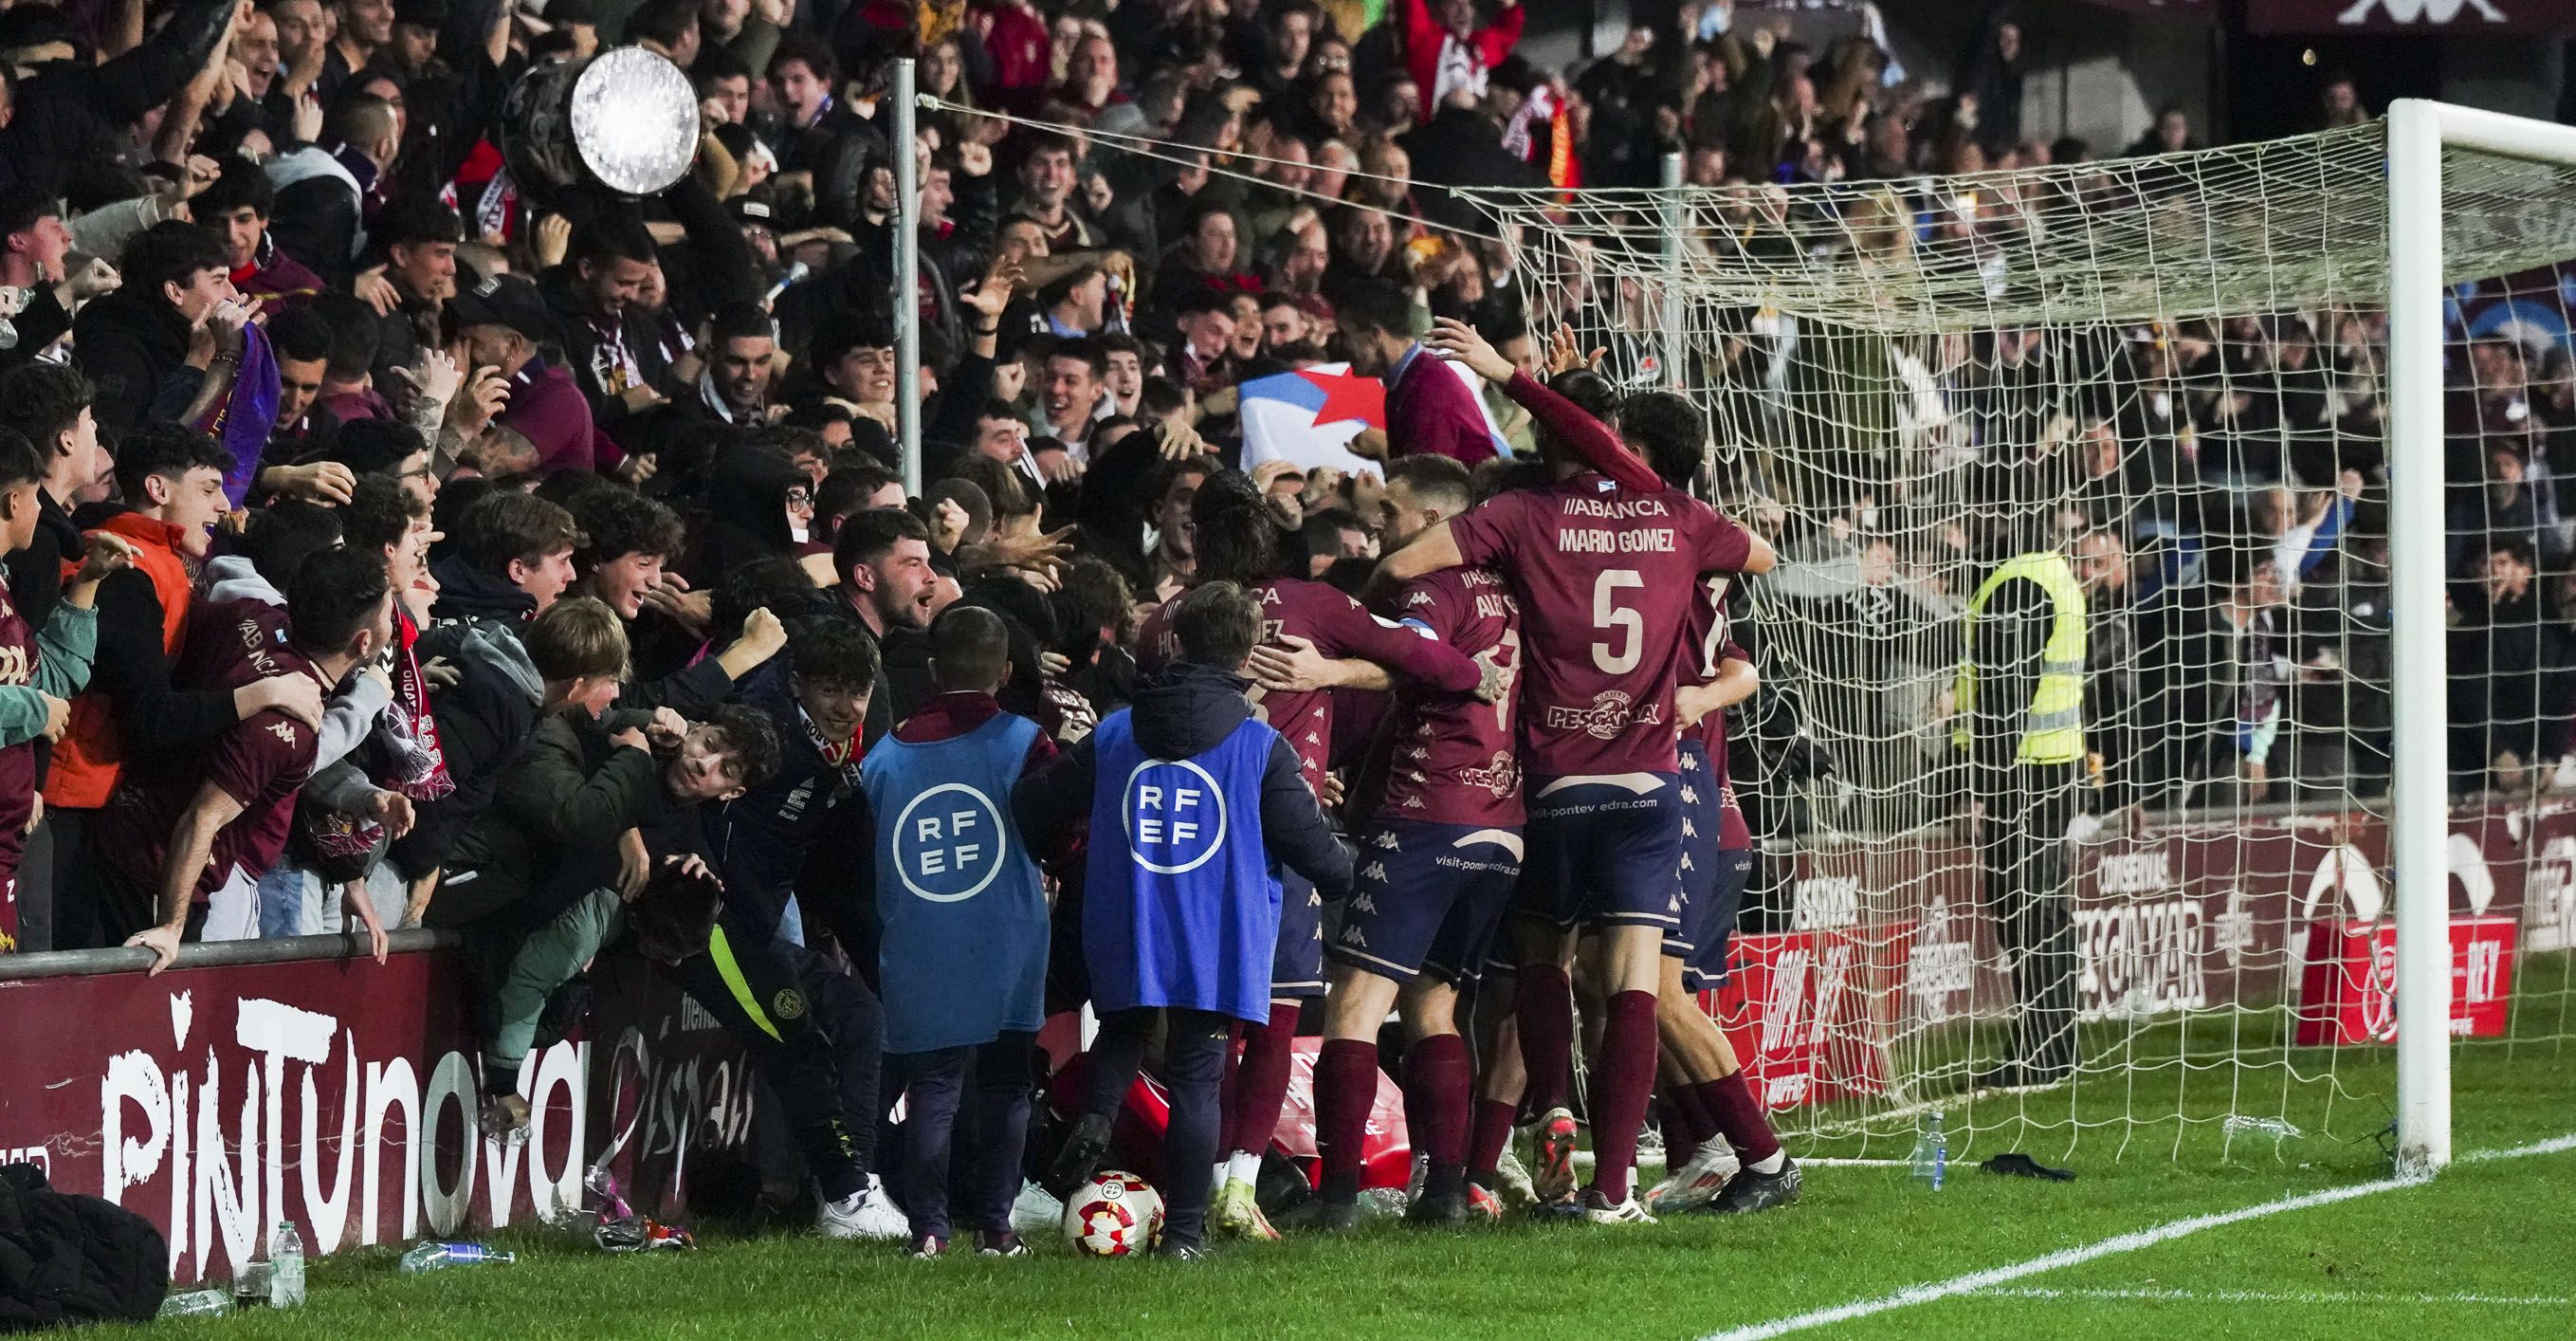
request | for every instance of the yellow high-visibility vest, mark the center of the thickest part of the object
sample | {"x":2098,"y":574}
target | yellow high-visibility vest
{"x":2053,"y":730}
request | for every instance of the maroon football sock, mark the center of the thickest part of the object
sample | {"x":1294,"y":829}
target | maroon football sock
{"x":1436,"y":1070}
{"x":1739,"y":1117}
{"x":1544,"y":1009}
{"x":1261,"y":1083}
{"x":1624,"y":1081}
{"x":1345,"y":1090}
{"x":1682,"y":1135}
{"x":1703,"y":1119}
{"x":1485,"y":1145}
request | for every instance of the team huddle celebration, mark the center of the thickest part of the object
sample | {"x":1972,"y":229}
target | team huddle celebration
{"x":414,"y":523}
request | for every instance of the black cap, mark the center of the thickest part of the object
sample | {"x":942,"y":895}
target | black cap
{"x":499,"y":300}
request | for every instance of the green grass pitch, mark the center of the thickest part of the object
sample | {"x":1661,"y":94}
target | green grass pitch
{"x":2482,"y":1251}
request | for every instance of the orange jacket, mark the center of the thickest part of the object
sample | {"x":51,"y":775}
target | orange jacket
{"x":89,"y":757}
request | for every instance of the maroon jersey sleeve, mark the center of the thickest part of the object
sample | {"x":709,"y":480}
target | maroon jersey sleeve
{"x":1582,"y":434}
{"x":1721,"y":545}
{"x":1345,"y":628}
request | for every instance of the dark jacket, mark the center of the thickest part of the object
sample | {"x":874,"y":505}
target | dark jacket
{"x":811,"y":813}
{"x":1181,"y":712}
{"x":135,"y":349}
{"x":746,"y":513}
{"x":566,"y":799}
{"x":485,"y":717}
{"x":68,"y":113}
{"x":67,"y":1260}
{"x":582,"y":341}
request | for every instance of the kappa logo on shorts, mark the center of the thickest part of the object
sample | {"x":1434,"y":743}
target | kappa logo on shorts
{"x":1362,"y":903}
{"x":789,"y":1004}
{"x":1690,"y":795}
{"x":1690,"y":761}
{"x":1375,"y":870}
{"x":1384,"y":839}
{"x":1352,"y":937}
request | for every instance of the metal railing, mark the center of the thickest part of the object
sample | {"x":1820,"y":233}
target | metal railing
{"x":221,"y":954}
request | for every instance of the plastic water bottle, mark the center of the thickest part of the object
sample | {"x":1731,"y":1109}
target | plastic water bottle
{"x":2240,"y":1125}
{"x":436,"y":1256}
{"x":197,"y":1304}
{"x":1931,"y":1158}
{"x":286,"y":1267}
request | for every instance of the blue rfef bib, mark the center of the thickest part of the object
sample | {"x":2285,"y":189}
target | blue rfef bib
{"x":1180,"y":908}
{"x":965,"y":945}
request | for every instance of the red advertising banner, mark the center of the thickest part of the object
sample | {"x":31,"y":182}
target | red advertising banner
{"x":1890,"y":938}
{"x":1812,"y":1012}
{"x":2409,"y":16}
{"x":342,"y":1095}
{"x":2349,"y":994}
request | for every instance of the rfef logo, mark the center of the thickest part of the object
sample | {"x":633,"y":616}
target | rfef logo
{"x":949,"y":843}
{"x":1175,"y":816}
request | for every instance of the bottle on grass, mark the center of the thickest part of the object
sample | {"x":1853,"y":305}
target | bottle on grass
{"x":437,"y":1256}
{"x":197,"y":1304}
{"x":1931,"y":1159}
{"x":286,"y":1267}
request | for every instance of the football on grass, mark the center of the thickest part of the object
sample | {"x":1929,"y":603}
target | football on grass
{"x":1114,"y":1215}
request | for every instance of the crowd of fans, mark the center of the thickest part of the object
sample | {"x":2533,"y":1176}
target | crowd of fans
{"x":394,"y":541}
{"x":1125,"y":213}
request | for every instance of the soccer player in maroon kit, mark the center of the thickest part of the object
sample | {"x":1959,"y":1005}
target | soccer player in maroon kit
{"x":1602,"y":653}
{"x":1704,"y":1092}
{"x":181,"y":824}
{"x":1238,"y":541}
{"x":1436,"y":869}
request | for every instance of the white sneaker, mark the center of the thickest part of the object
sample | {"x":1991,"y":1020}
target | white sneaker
{"x":1598,"y":1210}
{"x":1037,"y":1211}
{"x":1695,"y":1182}
{"x":865,"y":1214}
{"x":1516,"y":1189}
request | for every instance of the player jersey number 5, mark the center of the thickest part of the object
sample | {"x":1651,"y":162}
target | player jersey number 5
{"x":1618,"y":652}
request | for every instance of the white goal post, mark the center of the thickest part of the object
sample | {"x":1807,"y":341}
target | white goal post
{"x":2418,"y":132}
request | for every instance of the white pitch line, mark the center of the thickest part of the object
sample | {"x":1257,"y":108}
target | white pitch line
{"x":1991,"y":1277}
{"x":2268,"y":1297}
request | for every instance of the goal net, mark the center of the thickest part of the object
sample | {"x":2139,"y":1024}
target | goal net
{"x":2170,"y":373}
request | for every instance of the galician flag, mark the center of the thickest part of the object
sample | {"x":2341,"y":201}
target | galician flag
{"x":1309,"y":417}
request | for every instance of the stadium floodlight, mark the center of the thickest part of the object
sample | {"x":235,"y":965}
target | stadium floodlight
{"x":2171,"y":371}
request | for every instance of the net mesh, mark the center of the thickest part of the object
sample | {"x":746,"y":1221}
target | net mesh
{"x":2169,"y":371}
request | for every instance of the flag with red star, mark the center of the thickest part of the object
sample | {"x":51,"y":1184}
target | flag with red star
{"x":1309,"y":417}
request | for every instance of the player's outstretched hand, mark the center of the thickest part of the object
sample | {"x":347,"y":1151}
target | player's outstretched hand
{"x":1564,"y":355}
{"x":1291,"y":665}
{"x":1455,"y":339}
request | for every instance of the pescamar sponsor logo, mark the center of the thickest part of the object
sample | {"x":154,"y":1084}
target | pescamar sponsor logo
{"x":2141,"y":959}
